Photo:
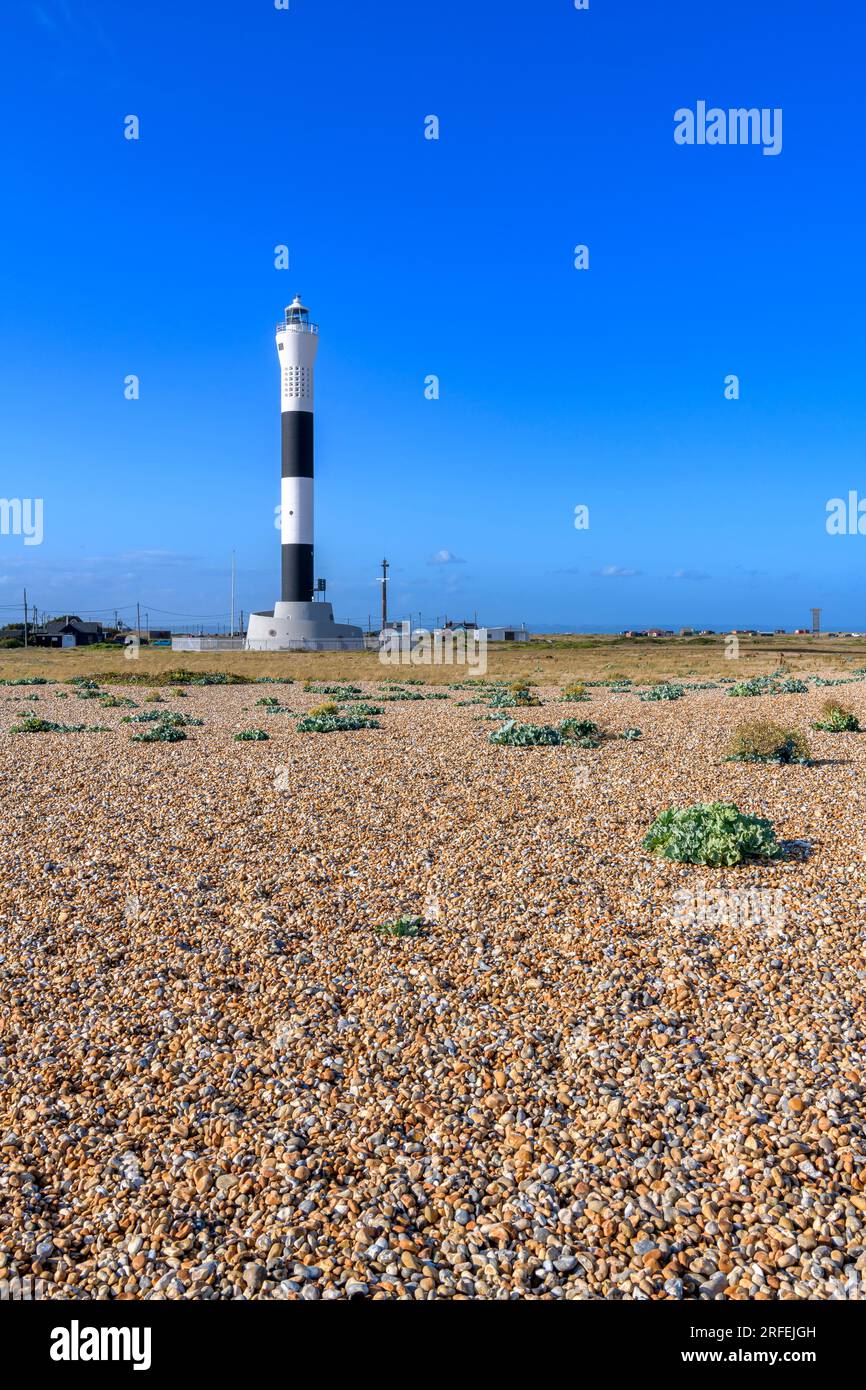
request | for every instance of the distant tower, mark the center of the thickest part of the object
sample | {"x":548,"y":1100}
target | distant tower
{"x":296,"y":622}
{"x":384,"y":582}
{"x":816,"y":622}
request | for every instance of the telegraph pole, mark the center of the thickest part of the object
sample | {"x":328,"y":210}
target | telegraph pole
{"x":25,"y":617}
{"x":384,"y":582}
{"x":232,"y":633}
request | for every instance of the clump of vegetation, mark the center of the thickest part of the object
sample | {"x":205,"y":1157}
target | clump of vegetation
{"x":342,"y":692}
{"x":578,"y":728}
{"x":274,"y":707}
{"x":117,"y":702}
{"x":160,"y":733}
{"x":837,"y":719}
{"x":269,"y":702}
{"x":396,"y":693}
{"x":179,"y":676}
{"x":153,"y":698}
{"x":761,"y":741}
{"x":403,"y":926}
{"x":513,"y":735}
{"x":715,"y":833}
{"x":664,"y":690}
{"x":334,"y":723}
{"x":170,"y":717}
{"x":324,"y":711}
{"x":522,"y":694}
{"x":251,"y":736}
{"x":632,"y":734}
{"x":758,"y":685}
{"x":27,"y":680}
{"x":31,"y":724}
{"x":575,"y":692}
{"x":367,"y":709}
{"x":791,"y":686}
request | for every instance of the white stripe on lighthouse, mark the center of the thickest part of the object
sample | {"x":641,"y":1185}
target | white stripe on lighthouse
{"x":296,"y":511}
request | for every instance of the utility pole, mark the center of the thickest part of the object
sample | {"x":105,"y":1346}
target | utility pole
{"x":384,"y":582}
{"x":138,"y":622}
{"x":232,"y":633}
{"x":25,"y":617}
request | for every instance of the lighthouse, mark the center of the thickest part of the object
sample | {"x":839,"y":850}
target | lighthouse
{"x":297,"y":341}
{"x":297,"y":622}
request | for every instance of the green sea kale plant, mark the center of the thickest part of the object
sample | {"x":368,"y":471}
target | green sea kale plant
{"x":836,"y":719}
{"x":760,"y":741}
{"x":716,"y":833}
{"x":758,"y":685}
{"x":334,"y":723}
{"x":665,"y":690}
{"x":514,"y":735}
{"x":403,"y":926}
{"x":32,"y":725}
{"x":160,"y":733}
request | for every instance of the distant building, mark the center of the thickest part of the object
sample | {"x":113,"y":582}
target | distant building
{"x":504,"y":634}
{"x":67,"y":632}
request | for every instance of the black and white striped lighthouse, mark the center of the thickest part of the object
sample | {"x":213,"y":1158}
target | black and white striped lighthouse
{"x":297,"y":621}
{"x":297,"y":341}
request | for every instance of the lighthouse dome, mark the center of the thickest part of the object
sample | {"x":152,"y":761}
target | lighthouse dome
{"x":296,"y":312}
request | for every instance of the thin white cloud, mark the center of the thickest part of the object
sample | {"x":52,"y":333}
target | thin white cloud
{"x":617,"y":572}
{"x":445,"y":557}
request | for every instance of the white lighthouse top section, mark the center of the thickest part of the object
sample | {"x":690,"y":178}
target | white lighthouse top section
{"x":297,"y":342}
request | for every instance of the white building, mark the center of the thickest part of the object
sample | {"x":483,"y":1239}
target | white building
{"x":504,"y":634}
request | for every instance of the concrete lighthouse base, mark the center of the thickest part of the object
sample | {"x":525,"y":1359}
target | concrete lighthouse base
{"x":301,"y":627}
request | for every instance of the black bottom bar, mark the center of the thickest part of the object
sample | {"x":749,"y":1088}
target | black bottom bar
{"x":297,"y":573}
{"x":297,"y":443}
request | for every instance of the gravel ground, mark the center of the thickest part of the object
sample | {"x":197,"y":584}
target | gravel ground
{"x":583,"y":1081}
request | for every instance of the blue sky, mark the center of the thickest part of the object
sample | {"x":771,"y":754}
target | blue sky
{"x":452,"y":257}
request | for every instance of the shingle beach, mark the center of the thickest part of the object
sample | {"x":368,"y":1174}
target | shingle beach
{"x":219,"y":1080}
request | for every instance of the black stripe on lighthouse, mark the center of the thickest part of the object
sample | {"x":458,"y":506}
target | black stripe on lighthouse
{"x":297,"y":506}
